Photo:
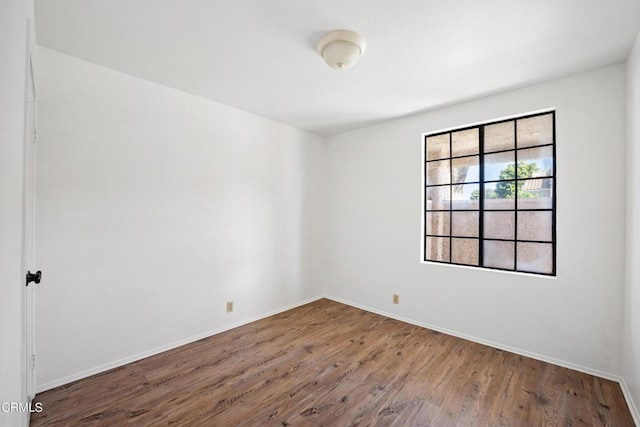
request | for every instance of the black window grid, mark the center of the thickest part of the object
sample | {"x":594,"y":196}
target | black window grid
{"x":481,"y":183}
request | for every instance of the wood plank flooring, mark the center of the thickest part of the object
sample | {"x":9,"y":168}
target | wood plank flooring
{"x":328,"y":364}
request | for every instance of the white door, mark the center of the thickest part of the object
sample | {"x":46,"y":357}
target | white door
{"x":28,"y":232}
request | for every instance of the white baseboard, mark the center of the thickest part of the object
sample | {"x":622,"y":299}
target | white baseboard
{"x":632,"y":406}
{"x":482,"y":341}
{"x":134,"y":358}
{"x":606,"y":375}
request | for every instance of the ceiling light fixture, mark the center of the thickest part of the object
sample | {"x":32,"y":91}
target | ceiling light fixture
{"x":341,"y":49}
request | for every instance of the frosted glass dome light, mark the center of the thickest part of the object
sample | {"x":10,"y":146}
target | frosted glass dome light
{"x":341,"y":49}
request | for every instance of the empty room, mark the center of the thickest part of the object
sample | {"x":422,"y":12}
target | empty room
{"x":408,"y":213}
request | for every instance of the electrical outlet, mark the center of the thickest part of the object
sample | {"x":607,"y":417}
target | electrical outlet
{"x":396,"y":299}
{"x":229,"y":306}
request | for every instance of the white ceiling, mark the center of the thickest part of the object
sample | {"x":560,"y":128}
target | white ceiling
{"x":259,"y":55}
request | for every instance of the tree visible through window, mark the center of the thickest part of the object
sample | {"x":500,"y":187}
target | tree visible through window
{"x":490,"y":195}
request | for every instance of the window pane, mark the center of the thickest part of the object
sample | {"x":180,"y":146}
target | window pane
{"x":438,"y":172}
{"x":437,"y":249}
{"x":464,"y":251}
{"x":465,"y":142}
{"x":534,"y":226}
{"x":535,"y":257}
{"x":499,"y":137}
{"x":535,"y":162}
{"x":499,"y":166}
{"x":536,"y":194}
{"x":499,"y":195}
{"x":465,"y":196}
{"x":438,"y":223}
{"x":438,"y":147}
{"x":438,"y":198}
{"x":506,"y":167}
{"x":465,"y":224}
{"x":498,"y":254}
{"x":499,"y":225}
{"x":466,"y":169}
{"x":536,"y":130}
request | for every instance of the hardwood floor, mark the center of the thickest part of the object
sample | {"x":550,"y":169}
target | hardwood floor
{"x":329,"y":364}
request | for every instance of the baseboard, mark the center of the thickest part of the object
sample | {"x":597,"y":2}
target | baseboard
{"x":482,"y":341}
{"x":630,"y":403}
{"x":143,"y":355}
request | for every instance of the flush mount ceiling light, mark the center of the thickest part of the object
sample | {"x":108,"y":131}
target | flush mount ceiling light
{"x":341,"y":49}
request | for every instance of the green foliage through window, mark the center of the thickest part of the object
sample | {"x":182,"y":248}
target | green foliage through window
{"x":507,"y":188}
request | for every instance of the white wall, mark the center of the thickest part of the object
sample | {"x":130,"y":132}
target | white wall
{"x":154,"y":208}
{"x":374,"y":228}
{"x":16,"y":37}
{"x":631,"y":362}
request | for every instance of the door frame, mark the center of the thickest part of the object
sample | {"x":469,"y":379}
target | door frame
{"x":29,"y":177}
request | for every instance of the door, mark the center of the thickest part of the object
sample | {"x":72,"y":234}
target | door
{"x":28,"y":232}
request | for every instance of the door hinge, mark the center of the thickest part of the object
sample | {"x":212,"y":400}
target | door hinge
{"x":33,"y":362}
{"x":34,"y":135}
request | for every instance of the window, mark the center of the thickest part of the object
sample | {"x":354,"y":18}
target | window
{"x":490,"y":195}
